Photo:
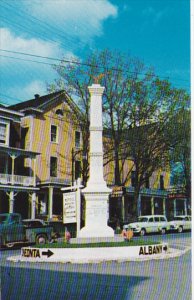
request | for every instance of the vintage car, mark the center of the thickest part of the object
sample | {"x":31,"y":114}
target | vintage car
{"x":149,"y":224}
{"x":180,"y":223}
{"x":13,"y":231}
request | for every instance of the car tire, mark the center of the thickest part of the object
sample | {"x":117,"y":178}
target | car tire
{"x":142,"y":232}
{"x":163,"y":231}
{"x":180,"y":229}
{"x":41,"y":239}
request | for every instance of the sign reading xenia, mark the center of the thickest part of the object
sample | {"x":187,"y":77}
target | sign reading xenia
{"x":69,"y":207}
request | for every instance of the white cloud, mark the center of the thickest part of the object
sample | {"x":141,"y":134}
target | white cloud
{"x":71,"y":23}
{"x":153,"y":14}
{"x":10,"y":41}
{"x":78,"y":18}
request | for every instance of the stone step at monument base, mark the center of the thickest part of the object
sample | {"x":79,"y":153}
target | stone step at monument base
{"x":88,"y":240}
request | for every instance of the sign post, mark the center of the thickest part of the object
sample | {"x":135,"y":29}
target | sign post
{"x":78,"y":205}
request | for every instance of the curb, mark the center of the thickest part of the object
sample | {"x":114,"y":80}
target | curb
{"x":31,"y":255}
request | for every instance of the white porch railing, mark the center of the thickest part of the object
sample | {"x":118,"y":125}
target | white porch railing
{"x":16,"y":180}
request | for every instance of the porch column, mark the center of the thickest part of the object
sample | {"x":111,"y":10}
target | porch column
{"x":33,"y":206}
{"x":185,"y":206}
{"x":152,"y":205}
{"x":34,"y":173}
{"x":164,"y":206}
{"x":174,"y":207}
{"x":13,"y":157}
{"x":50,"y":203}
{"x":11,"y":202}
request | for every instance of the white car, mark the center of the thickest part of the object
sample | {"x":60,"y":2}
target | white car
{"x":180,"y":223}
{"x":149,"y":224}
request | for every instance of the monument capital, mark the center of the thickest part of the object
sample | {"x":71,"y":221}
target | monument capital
{"x":96,"y":89}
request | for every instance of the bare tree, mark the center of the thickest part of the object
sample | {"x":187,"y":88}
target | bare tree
{"x":179,"y":132}
{"x":137,"y":108}
{"x":153,"y":107}
{"x":114,"y":71}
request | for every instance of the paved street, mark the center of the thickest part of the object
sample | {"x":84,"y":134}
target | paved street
{"x":154,"y":279}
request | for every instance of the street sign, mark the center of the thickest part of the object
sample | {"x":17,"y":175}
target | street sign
{"x":35,"y":253}
{"x":69,"y":207}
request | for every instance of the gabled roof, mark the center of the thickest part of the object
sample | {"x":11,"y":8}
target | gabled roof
{"x":40,"y":103}
{"x":36,"y":102}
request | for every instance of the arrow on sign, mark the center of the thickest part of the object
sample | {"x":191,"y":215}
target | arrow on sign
{"x":48,"y":253}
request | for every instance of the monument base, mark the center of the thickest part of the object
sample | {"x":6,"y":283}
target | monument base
{"x":96,"y":232}
{"x":96,"y":213}
{"x":91,"y":240}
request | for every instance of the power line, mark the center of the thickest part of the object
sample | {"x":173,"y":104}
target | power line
{"x":55,"y":30}
{"x":12,"y":98}
{"x":43,"y":25}
{"x":71,"y":62}
{"x":28,"y":60}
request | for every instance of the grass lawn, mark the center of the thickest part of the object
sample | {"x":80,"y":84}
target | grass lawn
{"x":98,"y":245}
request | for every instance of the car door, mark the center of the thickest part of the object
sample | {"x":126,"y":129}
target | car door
{"x":157,"y":224}
{"x":187,"y":224}
{"x":150,"y":225}
{"x":163,"y":223}
{"x":15,"y":231}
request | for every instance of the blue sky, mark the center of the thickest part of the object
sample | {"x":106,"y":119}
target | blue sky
{"x":155,"y":31}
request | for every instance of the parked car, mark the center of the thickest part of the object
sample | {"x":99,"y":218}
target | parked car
{"x":13,"y":231}
{"x":180,"y":223}
{"x":149,"y":224}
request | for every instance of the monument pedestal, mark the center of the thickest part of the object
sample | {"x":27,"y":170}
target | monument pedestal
{"x":96,"y":214}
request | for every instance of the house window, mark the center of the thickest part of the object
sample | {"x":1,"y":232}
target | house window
{"x":53,"y":166}
{"x":59,"y":112}
{"x":54,"y":132}
{"x":77,"y":169}
{"x":3,"y":133}
{"x":77,"y":139}
{"x":161,"y":182}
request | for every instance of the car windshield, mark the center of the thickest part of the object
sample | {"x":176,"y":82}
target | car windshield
{"x":3,"y":219}
{"x":142,"y":219}
{"x":178,"y":218}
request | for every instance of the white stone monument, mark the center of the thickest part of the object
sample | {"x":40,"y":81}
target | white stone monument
{"x":96,"y":193}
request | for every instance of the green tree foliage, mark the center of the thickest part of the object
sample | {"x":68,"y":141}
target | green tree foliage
{"x":179,"y":132}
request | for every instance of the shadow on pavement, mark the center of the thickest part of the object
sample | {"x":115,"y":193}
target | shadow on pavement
{"x":36,"y":284}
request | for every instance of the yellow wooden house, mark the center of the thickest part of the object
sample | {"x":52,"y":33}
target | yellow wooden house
{"x":48,"y":127}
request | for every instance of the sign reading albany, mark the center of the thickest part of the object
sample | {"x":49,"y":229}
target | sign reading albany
{"x":150,"y":250}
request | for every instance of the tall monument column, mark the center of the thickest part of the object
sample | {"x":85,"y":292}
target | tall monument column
{"x":96,"y":193}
